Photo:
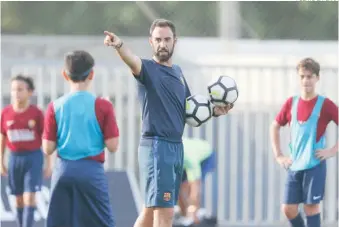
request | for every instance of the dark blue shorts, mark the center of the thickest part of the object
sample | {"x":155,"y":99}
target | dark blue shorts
{"x":160,"y":167}
{"x":207,"y":165}
{"x":25,"y":171}
{"x":306,"y":186}
{"x":79,"y":195}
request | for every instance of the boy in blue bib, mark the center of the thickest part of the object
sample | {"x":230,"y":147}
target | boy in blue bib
{"x":308,"y":116}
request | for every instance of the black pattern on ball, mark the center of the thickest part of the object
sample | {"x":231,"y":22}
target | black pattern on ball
{"x":197,"y":107}
{"x":219,"y":85}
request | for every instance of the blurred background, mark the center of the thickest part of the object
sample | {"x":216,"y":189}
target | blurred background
{"x":257,"y":43}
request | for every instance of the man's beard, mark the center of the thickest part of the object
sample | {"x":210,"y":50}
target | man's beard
{"x":163,"y":55}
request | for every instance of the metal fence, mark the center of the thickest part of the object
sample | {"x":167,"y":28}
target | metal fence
{"x":248,"y":185}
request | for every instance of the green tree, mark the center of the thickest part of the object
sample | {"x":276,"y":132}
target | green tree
{"x":269,"y":20}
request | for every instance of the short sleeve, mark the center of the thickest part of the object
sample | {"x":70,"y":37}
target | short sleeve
{"x":3,"y":128}
{"x":106,"y":117}
{"x":40,"y":121}
{"x":331,"y":111}
{"x":50,"y":125}
{"x":284,"y":116}
{"x":144,"y":76}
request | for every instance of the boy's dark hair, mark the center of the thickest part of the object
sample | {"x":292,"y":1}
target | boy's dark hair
{"x":78,"y":65}
{"x":162,"y":23}
{"x":28,"y":80}
{"x":309,"y":64}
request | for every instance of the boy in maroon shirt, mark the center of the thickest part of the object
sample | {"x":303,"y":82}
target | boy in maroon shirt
{"x":21,"y":131}
{"x":308,"y":116}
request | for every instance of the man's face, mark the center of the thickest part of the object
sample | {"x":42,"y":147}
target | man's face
{"x":19,"y":91}
{"x":162,"y":42}
{"x":308,"y":80}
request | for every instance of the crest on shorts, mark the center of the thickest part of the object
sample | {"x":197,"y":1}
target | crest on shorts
{"x":31,"y":123}
{"x":167,"y":196}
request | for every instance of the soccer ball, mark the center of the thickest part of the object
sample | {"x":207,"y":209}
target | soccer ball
{"x":198,"y":110}
{"x":223,"y":90}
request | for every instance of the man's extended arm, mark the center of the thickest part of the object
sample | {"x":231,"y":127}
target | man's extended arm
{"x":133,"y":61}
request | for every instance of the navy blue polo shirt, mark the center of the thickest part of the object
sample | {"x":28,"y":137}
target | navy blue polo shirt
{"x":162,"y":93}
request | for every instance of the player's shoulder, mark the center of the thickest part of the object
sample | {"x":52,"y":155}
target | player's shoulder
{"x":329,"y":103}
{"x":7,"y":109}
{"x":147,"y":62}
{"x":59,"y":101}
{"x":177,"y":67}
{"x":289,"y":100}
{"x":36,"y":109}
{"x":102,"y":103}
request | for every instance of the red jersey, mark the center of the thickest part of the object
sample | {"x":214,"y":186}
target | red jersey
{"x":105,"y":116}
{"x":23,"y":130}
{"x":329,"y":112}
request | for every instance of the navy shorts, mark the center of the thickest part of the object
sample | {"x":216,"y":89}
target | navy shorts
{"x":25,"y":171}
{"x":160,"y":167}
{"x":306,"y":186}
{"x":79,"y":195}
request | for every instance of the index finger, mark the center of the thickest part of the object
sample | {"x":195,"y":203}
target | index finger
{"x":109,"y":33}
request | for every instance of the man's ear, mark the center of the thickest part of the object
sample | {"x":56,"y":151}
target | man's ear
{"x":65,"y":75}
{"x":150,"y":41}
{"x":91,"y":75}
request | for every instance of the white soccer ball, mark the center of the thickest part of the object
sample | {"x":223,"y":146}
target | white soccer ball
{"x":223,"y":90}
{"x":198,"y":110}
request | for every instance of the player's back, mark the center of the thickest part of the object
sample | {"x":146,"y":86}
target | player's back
{"x":78,"y":131}
{"x":79,"y":182}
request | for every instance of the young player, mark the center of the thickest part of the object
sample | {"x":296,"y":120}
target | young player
{"x":79,"y":126}
{"x":162,"y":95}
{"x":199,"y":159}
{"x":21,"y":131}
{"x":308,"y":116}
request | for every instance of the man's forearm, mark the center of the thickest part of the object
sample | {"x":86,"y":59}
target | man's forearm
{"x":275,"y":139}
{"x":48,"y":147}
{"x":133,"y":61}
{"x":335,"y":148}
{"x":3,"y":149}
{"x":48,"y":159}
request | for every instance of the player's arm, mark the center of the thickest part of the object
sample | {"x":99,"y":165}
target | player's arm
{"x":2,"y":154}
{"x":48,"y":158}
{"x":331,"y":114}
{"x":3,"y":146}
{"x":275,"y":138}
{"x":281,"y":120}
{"x":131,"y":60}
{"x":110,"y":126}
{"x":49,"y":135}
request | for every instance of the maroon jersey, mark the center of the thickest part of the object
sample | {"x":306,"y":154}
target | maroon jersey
{"x":329,"y":112}
{"x":105,"y":116}
{"x":23,"y":130}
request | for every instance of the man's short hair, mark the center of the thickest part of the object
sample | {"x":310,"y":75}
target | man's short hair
{"x":78,"y":65}
{"x":162,"y":23}
{"x":309,"y":64}
{"x":28,"y":80}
